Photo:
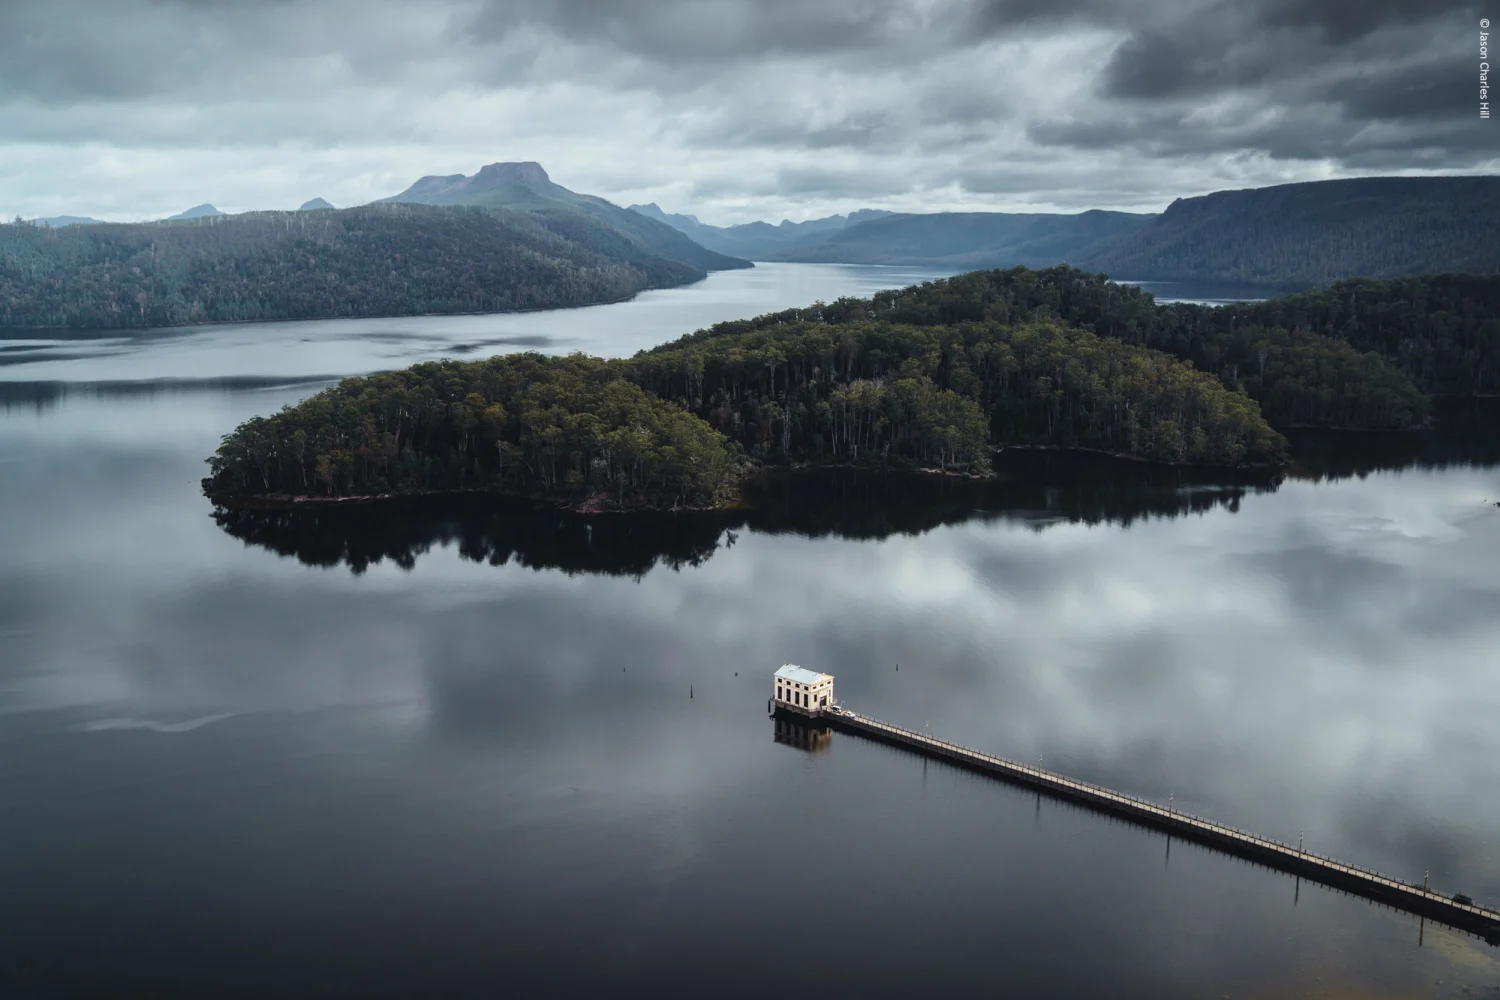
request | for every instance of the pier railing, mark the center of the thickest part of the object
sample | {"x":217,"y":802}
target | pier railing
{"x":1417,"y":897}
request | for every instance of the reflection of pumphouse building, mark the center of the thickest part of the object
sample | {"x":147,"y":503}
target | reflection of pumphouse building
{"x":804,"y":691}
{"x":802,"y":736}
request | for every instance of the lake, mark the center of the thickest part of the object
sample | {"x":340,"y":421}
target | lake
{"x":450,"y":750}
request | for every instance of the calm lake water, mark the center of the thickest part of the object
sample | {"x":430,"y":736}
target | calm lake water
{"x":453,"y":751}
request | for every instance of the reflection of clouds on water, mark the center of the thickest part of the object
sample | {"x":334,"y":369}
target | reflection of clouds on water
{"x":511,"y":727}
{"x":462,"y":737}
{"x":1260,"y":666}
{"x":155,"y":726}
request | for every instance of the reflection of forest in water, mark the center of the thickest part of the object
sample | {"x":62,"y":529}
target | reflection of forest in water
{"x":1033,"y":487}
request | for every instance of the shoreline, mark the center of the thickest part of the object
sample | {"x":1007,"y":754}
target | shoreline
{"x":1143,"y":460}
{"x":406,"y":315}
{"x":599,"y":502}
{"x":592,"y":504}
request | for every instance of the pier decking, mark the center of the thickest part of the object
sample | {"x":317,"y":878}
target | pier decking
{"x":1412,"y":898}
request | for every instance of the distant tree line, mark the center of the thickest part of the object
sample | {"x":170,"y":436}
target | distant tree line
{"x":377,"y":260}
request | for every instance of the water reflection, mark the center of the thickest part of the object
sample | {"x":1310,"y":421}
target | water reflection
{"x":800,"y":735}
{"x":43,"y":396}
{"x":462,"y":780}
{"x":1037,"y":488}
{"x":1464,"y":433}
{"x":484,"y":530}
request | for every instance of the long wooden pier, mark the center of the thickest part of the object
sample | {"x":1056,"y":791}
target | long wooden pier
{"x":1456,"y":912}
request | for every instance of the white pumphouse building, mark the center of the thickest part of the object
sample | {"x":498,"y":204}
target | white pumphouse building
{"x":804,"y":691}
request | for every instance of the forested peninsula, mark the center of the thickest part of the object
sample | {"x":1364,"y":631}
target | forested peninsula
{"x":935,"y":376}
{"x":376,"y":260}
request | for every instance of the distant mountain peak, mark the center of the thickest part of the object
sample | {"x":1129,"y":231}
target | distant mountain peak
{"x":313,"y":205}
{"x":58,"y":221}
{"x":524,"y":187}
{"x":197,"y":212}
{"x":461,"y":188}
{"x":652,"y":210}
{"x":527,"y":172}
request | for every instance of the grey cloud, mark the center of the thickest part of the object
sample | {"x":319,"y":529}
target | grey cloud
{"x":707,"y":29}
{"x":1317,"y":131}
{"x":1223,"y":47}
{"x":1342,"y":21}
{"x":731,"y":109}
{"x":996,"y":15}
{"x":1435,"y":89}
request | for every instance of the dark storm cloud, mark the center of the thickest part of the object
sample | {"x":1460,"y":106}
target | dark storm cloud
{"x":1342,"y":21}
{"x":757,"y":108}
{"x":707,"y":29}
{"x":1230,"y":46}
{"x":1426,"y":91}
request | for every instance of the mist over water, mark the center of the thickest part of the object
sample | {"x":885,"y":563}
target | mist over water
{"x":450,"y":749}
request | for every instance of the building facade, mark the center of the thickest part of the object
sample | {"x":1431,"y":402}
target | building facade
{"x":804,"y":691}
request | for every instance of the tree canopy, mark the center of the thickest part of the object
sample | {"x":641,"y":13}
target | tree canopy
{"x":675,"y":427}
{"x":1360,"y":354}
{"x":566,"y":428}
{"x":945,"y":395}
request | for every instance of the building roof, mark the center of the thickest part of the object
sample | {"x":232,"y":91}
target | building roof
{"x":799,"y":675}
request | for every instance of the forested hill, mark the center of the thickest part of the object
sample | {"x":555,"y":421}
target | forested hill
{"x":678,"y":426}
{"x":526,"y":188}
{"x":1299,"y":235}
{"x":970,"y":239}
{"x":377,"y":260}
{"x":1360,"y":354}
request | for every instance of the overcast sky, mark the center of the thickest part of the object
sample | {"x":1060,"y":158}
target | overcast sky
{"x":730,"y":109}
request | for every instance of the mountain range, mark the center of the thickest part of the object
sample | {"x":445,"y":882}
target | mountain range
{"x":1287,"y":236}
{"x":960,"y":240}
{"x":759,"y":240}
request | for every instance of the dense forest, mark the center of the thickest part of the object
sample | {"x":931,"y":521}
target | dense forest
{"x":378,"y":260}
{"x":945,"y":395}
{"x":522,"y":424}
{"x":1359,"y":354}
{"x":672,"y":428}
{"x":1298,"y":235}
{"x":933,"y":376}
